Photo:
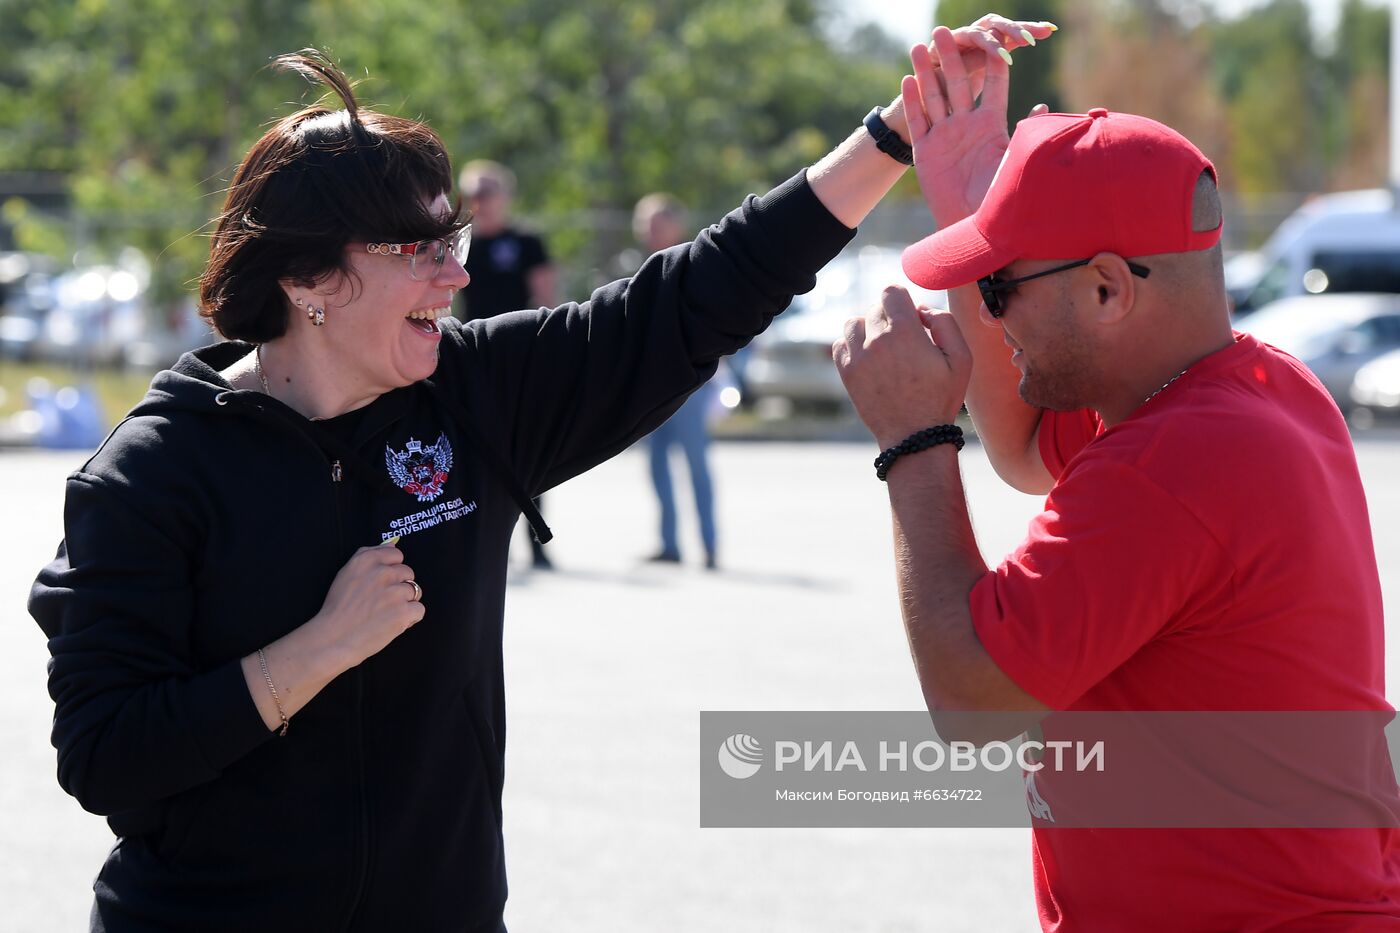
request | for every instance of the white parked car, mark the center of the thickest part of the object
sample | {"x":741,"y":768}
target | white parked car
{"x":1343,"y":242}
{"x":26,"y":296}
{"x":792,"y":359}
{"x":98,"y":311}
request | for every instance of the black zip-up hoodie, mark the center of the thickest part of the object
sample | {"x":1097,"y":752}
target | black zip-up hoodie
{"x":213,"y":521}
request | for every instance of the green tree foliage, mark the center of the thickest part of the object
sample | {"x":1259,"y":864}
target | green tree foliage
{"x":1279,"y":108}
{"x":1276,"y":88}
{"x":147,"y":106}
{"x":1139,"y":58}
{"x":1360,"y":76}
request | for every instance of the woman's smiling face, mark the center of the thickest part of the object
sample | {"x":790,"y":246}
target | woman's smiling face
{"x":381,"y":322}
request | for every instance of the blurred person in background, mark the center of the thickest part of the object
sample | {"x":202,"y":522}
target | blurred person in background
{"x":1205,"y":544}
{"x":659,"y":222}
{"x":275,"y":621}
{"x":510,"y":269}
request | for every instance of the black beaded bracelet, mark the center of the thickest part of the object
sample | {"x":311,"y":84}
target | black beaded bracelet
{"x":921,"y":440}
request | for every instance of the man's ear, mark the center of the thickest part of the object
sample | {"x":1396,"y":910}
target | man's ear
{"x":1114,"y":288}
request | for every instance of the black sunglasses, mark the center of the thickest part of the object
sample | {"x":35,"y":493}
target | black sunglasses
{"x":991,"y":287}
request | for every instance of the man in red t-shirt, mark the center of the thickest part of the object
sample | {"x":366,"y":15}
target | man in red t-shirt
{"x":1205,"y":544}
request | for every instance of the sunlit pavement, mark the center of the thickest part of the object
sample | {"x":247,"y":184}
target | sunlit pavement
{"x":609,"y":662}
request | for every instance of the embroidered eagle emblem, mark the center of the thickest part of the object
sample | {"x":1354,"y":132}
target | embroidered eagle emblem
{"x":418,"y":470}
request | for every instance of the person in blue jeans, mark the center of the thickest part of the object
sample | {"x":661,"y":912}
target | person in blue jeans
{"x":659,"y":222}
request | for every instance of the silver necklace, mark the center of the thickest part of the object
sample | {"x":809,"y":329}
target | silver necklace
{"x":262,"y":377}
{"x":1144,"y":401}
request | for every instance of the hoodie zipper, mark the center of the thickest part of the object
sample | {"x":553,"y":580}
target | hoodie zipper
{"x":357,"y":893}
{"x":338,"y":495}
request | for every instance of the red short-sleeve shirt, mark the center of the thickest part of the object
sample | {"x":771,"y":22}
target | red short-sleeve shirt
{"x":1211,"y":552}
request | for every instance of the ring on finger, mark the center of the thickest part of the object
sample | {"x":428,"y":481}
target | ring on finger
{"x":417,"y":591}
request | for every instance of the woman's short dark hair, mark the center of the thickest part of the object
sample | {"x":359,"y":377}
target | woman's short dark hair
{"x":315,"y":182}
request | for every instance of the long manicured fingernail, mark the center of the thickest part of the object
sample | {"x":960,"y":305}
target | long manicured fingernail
{"x":1051,"y":26}
{"x":1026,"y":34}
{"x":394,"y":541}
{"x":1005,"y":56}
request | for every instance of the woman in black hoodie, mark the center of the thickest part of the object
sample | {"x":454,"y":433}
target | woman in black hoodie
{"x":276,"y":617}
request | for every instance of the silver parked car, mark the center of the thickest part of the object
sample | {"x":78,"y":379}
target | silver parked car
{"x":792,"y":359}
{"x":1333,"y":335}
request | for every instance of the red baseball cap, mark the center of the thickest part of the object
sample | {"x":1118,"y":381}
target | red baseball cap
{"x":1072,"y":185}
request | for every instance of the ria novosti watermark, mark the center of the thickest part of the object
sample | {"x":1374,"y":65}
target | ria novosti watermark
{"x":1068,"y":769}
{"x":928,"y":755}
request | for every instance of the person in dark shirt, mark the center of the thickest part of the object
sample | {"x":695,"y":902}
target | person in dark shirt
{"x":509,"y":268}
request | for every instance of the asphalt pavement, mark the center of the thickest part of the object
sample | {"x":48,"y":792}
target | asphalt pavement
{"x":609,"y":663}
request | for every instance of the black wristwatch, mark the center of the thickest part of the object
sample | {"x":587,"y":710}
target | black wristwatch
{"x":886,"y":139}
